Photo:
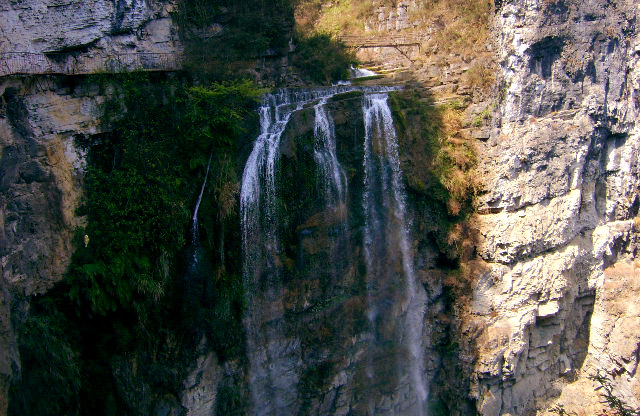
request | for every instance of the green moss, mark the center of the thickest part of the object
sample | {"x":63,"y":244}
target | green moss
{"x":347,"y":96}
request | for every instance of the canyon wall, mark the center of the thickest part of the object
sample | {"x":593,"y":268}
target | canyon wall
{"x":96,"y":27}
{"x":556,"y":268}
{"x":555,"y":271}
{"x":41,"y":120}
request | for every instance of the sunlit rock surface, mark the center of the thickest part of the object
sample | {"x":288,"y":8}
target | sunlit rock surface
{"x":561,"y":180}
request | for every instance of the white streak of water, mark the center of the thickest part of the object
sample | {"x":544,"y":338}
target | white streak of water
{"x":194,"y":221}
{"x":332,"y":177}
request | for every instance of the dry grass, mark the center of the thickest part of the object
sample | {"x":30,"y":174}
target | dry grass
{"x":481,"y":76}
{"x":458,"y":156}
{"x":335,"y":17}
{"x":460,"y":26}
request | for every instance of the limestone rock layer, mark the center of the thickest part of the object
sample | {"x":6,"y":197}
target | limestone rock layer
{"x":556,"y":217}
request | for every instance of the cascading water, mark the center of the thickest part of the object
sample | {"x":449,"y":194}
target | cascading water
{"x":362,"y":72}
{"x":386,"y":230}
{"x":333,"y":180}
{"x":275,"y":356}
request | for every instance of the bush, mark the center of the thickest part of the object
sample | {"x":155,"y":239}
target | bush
{"x":323,"y":58}
{"x":51,"y":372}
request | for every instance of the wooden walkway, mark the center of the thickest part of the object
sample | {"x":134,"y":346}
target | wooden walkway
{"x":28,"y":63}
{"x":390,"y":41}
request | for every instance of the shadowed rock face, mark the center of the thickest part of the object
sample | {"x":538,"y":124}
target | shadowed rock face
{"x":561,"y":180}
{"x":39,"y":192}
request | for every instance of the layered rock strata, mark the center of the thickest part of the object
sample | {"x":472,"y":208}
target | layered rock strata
{"x":556,"y":217}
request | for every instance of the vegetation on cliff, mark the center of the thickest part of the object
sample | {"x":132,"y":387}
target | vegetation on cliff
{"x":224,"y":39}
{"x":440,"y":166}
{"x":130,"y":294}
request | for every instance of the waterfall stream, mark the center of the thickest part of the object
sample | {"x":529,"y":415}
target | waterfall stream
{"x":386,"y":230}
{"x":274,"y":355}
{"x":194,"y":220}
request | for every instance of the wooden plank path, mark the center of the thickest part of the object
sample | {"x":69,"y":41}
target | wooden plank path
{"x":29,"y":63}
{"x":387,"y":41}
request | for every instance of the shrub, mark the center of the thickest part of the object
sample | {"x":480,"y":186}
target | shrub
{"x":51,"y":372}
{"x":323,"y":58}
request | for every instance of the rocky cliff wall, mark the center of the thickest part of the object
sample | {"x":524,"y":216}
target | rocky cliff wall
{"x":41,"y":169}
{"x":556,"y":217}
{"x":96,"y":26}
{"x":39,"y":119}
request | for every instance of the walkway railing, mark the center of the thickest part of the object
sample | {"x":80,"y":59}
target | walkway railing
{"x":388,"y":41}
{"x":18,"y":63}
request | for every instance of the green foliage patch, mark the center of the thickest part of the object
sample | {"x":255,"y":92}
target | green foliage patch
{"x":323,"y":58}
{"x":142,"y":181}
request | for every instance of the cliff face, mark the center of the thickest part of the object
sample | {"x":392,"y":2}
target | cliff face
{"x":40,"y":118}
{"x":556,"y":218}
{"x":40,"y":189}
{"x":97,"y":26}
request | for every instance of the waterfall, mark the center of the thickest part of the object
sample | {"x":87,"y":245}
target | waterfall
{"x":386,"y":230}
{"x":194,"y":220}
{"x":275,"y":362}
{"x":362,"y":72}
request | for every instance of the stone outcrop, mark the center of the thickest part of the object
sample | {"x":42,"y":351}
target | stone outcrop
{"x":556,"y":217}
